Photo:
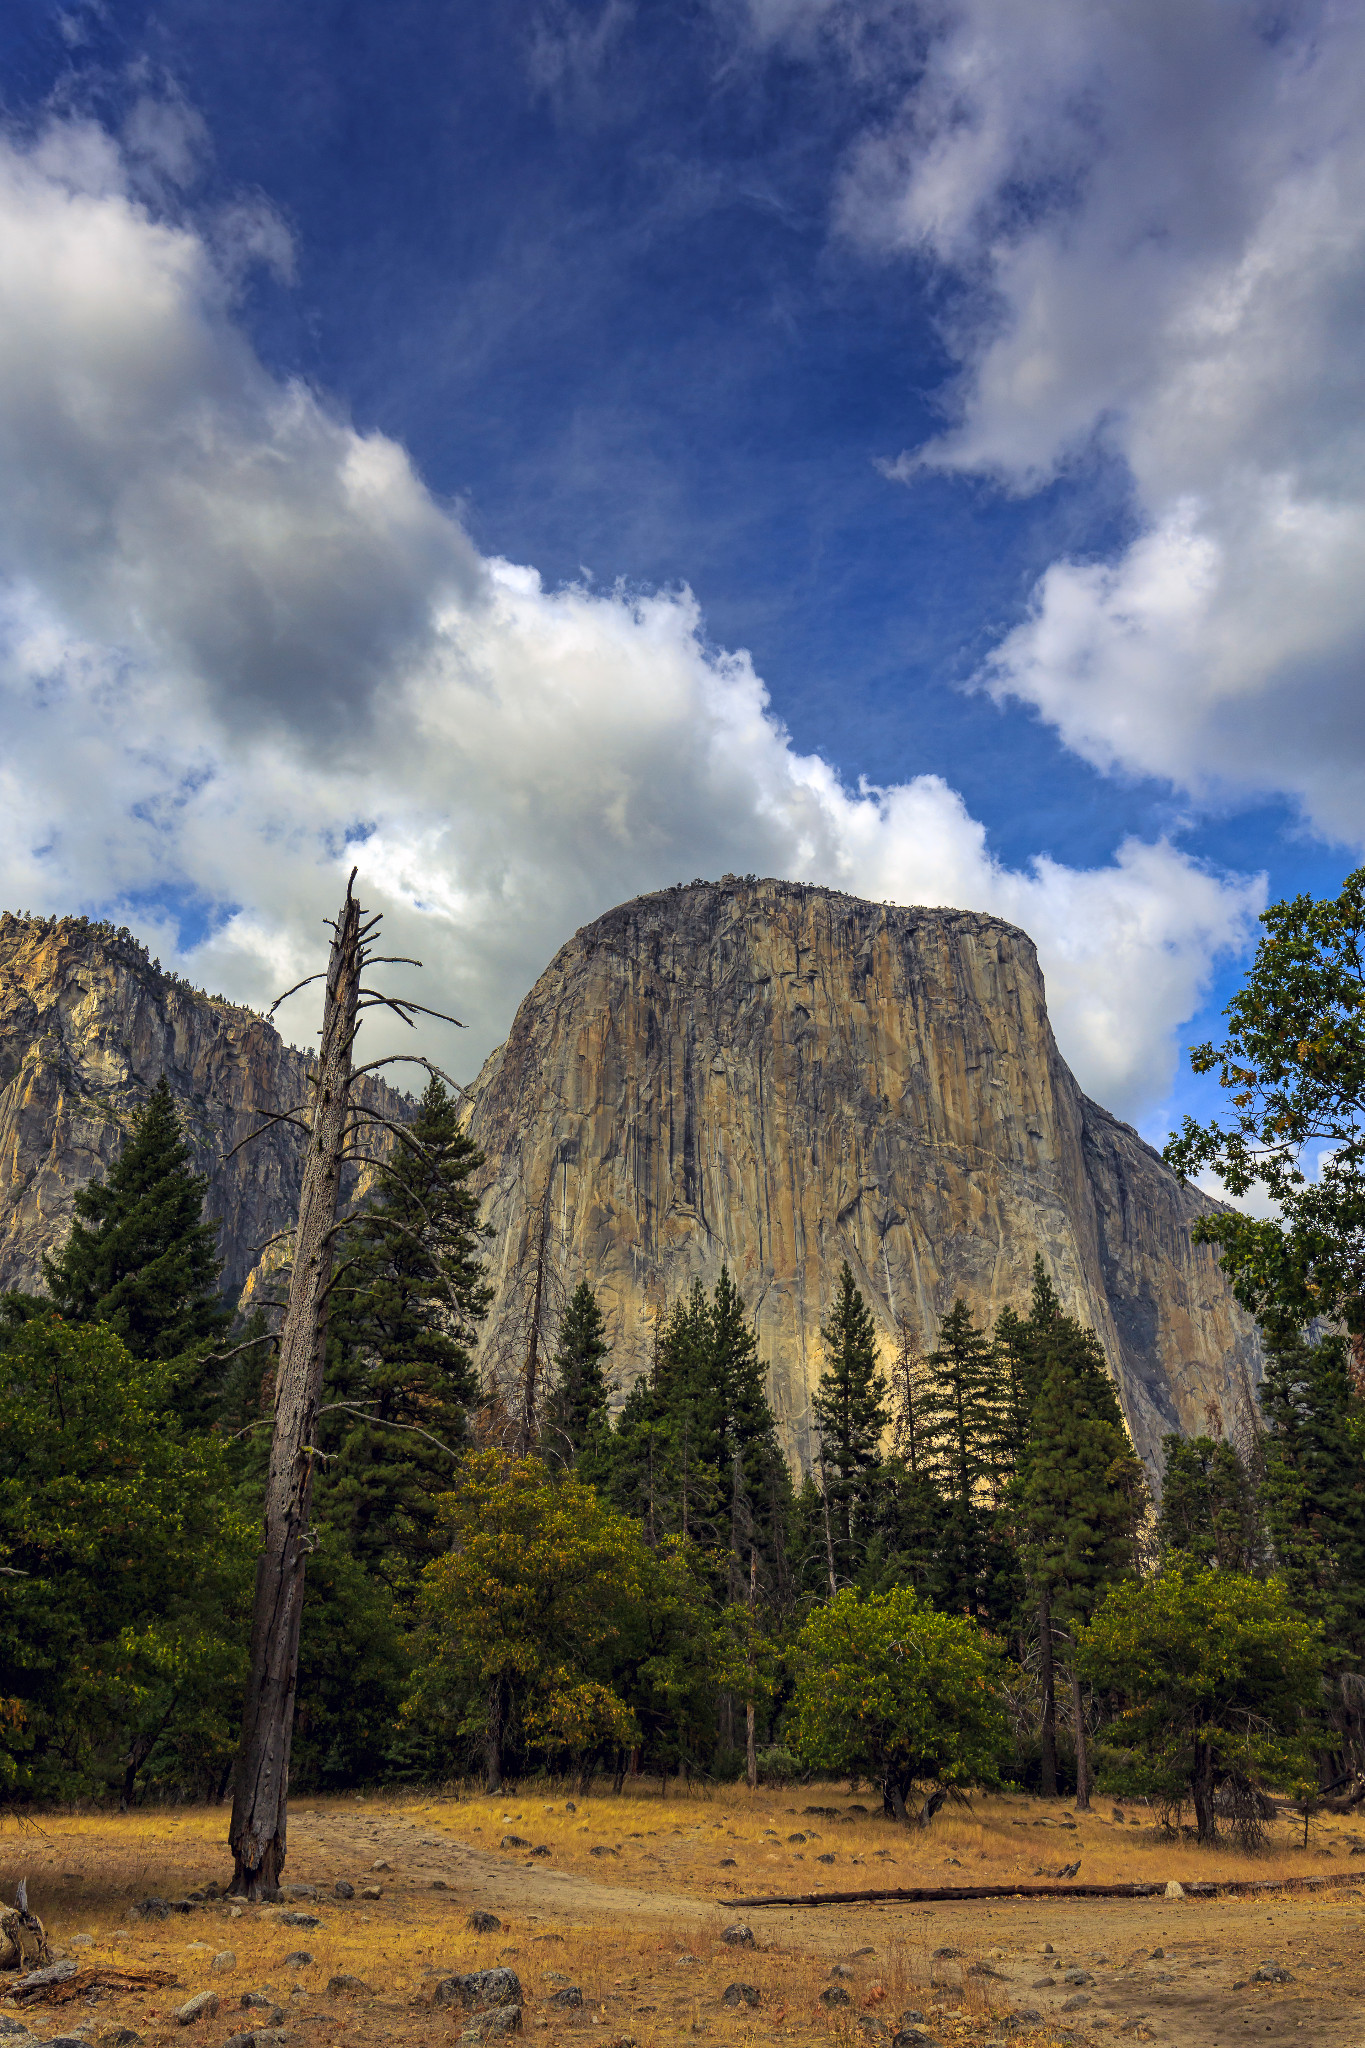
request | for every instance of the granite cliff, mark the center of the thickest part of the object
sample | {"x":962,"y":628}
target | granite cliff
{"x":781,"y":1077}
{"x":88,"y":1024}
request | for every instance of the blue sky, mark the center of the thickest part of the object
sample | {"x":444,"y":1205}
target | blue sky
{"x":988,"y":374}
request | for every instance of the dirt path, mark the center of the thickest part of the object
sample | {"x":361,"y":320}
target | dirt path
{"x":1156,"y":1969}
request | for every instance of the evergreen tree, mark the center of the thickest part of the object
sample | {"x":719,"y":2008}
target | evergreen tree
{"x":140,"y":1256}
{"x":851,"y":1412}
{"x":576,"y":1414}
{"x":1079,"y":1502}
{"x":960,"y":1430}
{"x":400,"y":1379}
{"x":1210,"y":1512}
{"x":1314,"y":1486}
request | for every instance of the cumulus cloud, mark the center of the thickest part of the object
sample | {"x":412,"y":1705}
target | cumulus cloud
{"x":242,"y":645}
{"x":1152,"y":215}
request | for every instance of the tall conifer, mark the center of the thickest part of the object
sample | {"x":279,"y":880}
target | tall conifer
{"x":851,"y":1411}
{"x":140,"y":1256}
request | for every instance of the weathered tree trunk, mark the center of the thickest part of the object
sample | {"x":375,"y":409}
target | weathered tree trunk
{"x":1082,"y":1747}
{"x":257,"y":1832}
{"x":1201,"y":1785}
{"x":750,"y":1715}
{"x":1048,"y":1673}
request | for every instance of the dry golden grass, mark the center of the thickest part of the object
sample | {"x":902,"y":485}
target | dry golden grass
{"x":638,"y":1929}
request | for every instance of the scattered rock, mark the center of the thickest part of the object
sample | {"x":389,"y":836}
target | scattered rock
{"x":1077,"y":1978}
{"x":1272,"y":1973}
{"x":841,"y":1970}
{"x":343,"y":1888}
{"x":541,"y":1849}
{"x":796,"y":1838}
{"x":372,"y":1891}
{"x":499,"y":2019}
{"x":741,"y":1994}
{"x":121,"y":2037}
{"x":479,"y":1990}
{"x":912,"y":2037}
{"x":203,"y":2005}
{"x":727,"y":1863}
{"x":835,"y":1994}
{"x":299,"y":1891}
{"x":825,"y":1858}
{"x":150,"y":1909}
{"x":1076,"y":2004}
{"x":299,"y":1960}
{"x":486,"y":1923}
{"x":256,"y":2001}
{"x":1029,"y":2015}
{"x":299,"y":1920}
{"x":1118,"y":1816}
{"x":571,"y":1995}
{"x":380,"y":1864}
{"x":597,"y":1849}
{"x":569,"y":1806}
{"x":517,"y":1842}
{"x":438,"y":1884}
{"x":738,"y":1936}
{"x":81,"y":1941}
{"x":343,"y":1981}
{"x":985,"y":1970}
{"x":946,"y":1955}
{"x":224,"y":1960}
{"x":1174,"y":1890}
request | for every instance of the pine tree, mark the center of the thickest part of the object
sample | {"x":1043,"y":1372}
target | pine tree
{"x":576,"y":1413}
{"x":851,"y":1414}
{"x":1210,"y":1511}
{"x":959,"y":1430}
{"x":400,"y":1379}
{"x":1079,"y":1502}
{"x":1314,"y":1485}
{"x":140,"y":1256}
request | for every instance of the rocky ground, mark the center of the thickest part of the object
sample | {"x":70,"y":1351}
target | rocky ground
{"x":617,"y":1919}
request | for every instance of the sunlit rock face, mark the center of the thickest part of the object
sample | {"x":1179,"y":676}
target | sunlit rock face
{"x":778,"y":1077}
{"x":88,"y":1025}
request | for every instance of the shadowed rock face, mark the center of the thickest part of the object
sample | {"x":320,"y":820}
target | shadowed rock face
{"x":88,"y":1024}
{"x":779,"y":1078}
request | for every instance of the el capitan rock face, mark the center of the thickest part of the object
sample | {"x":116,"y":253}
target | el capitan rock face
{"x":779,"y":1077}
{"x":88,"y":1024}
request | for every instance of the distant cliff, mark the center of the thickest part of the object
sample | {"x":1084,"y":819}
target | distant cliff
{"x":88,"y":1024}
{"x":781,"y":1077}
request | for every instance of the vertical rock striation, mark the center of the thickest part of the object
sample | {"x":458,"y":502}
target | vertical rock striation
{"x":780,"y":1077}
{"x":88,"y":1024}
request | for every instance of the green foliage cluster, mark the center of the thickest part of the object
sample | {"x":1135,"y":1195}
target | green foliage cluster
{"x":969,"y":1584}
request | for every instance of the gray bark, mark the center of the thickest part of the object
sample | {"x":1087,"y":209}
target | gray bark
{"x":257,"y":1832}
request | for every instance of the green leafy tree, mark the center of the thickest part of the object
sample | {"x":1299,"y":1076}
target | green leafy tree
{"x":400,"y":1380}
{"x":576,"y":1414}
{"x":851,"y":1408}
{"x":126,"y":1592}
{"x":1293,"y":1065}
{"x":1210,"y":1509}
{"x":889,"y":1689}
{"x":523,"y":1608}
{"x":140,"y":1256}
{"x":1215,"y":1676}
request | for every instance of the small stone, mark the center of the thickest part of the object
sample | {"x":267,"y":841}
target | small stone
{"x":299,"y":1920}
{"x":1157,"y":1955}
{"x":1030,"y":2015}
{"x":1077,"y":1977}
{"x":541,"y":1849}
{"x":372,"y":1891}
{"x":343,"y":1981}
{"x":300,"y":1891}
{"x":517,"y":1842}
{"x":1118,"y":1816}
{"x":202,"y":2006}
{"x":912,"y":2037}
{"x":1076,"y":2004}
{"x":253,"y":2000}
{"x":224,"y":1960}
{"x":796,"y":1838}
{"x":149,"y":1909}
{"x":479,"y":1989}
{"x":741,"y":1994}
{"x":379,"y":1864}
{"x":911,"y":2017}
{"x":835,"y":1994}
{"x":299,"y":1960}
{"x":841,"y":1970}
{"x":738,"y":1936}
{"x":1174,"y":1890}
{"x":825,"y":1858}
{"x":1272,"y":1973}
{"x":727,"y":1863}
{"x":343,"y":1888}
{"x":985,"y":1970}
{"x":598,"y":1849}
{"x":121,"y":2037}
{"x":484,"y":1923}
{"x":946,"y":1955}
{"x":81,"y":1941}
{"x":571,"y":1995}
{"x":569,"y":1806}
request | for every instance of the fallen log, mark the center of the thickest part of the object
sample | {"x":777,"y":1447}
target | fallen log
{"x":921,"y":1895}
{"x":44,"y":1987}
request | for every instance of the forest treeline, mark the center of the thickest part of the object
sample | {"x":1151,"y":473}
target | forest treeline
{"x":551,"y":1573}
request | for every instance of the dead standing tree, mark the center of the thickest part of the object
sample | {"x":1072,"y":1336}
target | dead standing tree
{"x":257,"y":1832}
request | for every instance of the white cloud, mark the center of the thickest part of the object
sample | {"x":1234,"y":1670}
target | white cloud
{"x":1154,"y":214}
{"x":243,"y":644}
